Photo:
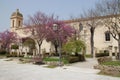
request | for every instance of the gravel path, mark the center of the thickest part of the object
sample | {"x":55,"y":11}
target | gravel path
{"x":12,"y":70}
{"x":89,"y":63}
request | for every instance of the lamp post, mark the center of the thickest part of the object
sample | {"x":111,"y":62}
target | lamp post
{"x":55,"y":28}
{"x":80,"y":27}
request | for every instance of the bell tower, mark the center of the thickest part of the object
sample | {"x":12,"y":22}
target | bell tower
{"x":16,"y":20}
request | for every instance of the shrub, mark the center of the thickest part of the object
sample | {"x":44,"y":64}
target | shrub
{"x":81,"y":57}
{"x":2,"y":52}
{"x":104,"y":59}
{"x":14,"y":54}
{"x":102,"y":54}
{"x":30,"y":53}
{"x":88,"y":55}
{"x":73,"y":59}
{"x":46,"y":54}
{"x":74,"y":46}
{"x":14,"y":46}
{"x":51,"y":59}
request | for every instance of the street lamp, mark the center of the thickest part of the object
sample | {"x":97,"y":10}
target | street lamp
{"x":55,"y":28}
{"x":80,"y":27}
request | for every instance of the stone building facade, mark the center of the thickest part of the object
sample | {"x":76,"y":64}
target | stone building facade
{"x":17,"y":26}
{"x":102,"y":39}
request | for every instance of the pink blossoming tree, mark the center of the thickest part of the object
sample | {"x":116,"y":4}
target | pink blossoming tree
{"x":37,"y":25}
{"x":7,"y":38}
{"x":61,"y":35}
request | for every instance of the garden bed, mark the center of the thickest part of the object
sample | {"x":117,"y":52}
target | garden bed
{"x":109,"y":68}
{"x":54,"y":61}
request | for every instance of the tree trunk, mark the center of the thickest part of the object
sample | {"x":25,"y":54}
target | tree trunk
{"x":39,"y":46}
{"x":92,"y":41}
{"x":39,"y":49}
{"x":119,"y":49}
{"x":56,"y":49}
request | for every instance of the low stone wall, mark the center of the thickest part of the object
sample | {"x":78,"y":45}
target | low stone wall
{"x":104,"y":59}
{"x":110,"y":70}
{"x":53,"y":63}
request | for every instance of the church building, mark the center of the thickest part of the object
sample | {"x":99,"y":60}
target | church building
{"x":102,"y":38}
{"x":17,"y":26}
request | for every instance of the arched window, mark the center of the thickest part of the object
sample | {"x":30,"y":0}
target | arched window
{"x":107,"y":36}
{"x":19,"y":23}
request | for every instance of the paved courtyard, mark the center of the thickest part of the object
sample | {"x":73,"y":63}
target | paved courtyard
{"x":12,"y":70}
{"x":89,"y":63}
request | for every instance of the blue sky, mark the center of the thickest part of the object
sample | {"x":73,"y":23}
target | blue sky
{"x":62,"y":8}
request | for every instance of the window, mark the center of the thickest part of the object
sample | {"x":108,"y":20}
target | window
{"x":107,"y":36}
{"x":80,"y":27}
{"x":19,"y":23}
{"x":13,"y":23}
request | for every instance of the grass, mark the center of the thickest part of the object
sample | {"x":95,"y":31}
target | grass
{"x":88,"y":56}
{"x":25,"y":60}
{"x":51,"y":59}
{"x":112,"y":63}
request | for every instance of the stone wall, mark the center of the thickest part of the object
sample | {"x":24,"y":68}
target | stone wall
{"x":54,"y":63}
{"x":110,"y":70}
{"x":104,"y":59}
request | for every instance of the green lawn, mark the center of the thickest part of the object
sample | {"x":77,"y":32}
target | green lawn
{"x":51,"y":59}
{"x":113,"y":63}
{"x":88,"y":56}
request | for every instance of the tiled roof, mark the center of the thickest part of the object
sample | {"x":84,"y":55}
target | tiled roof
{"x":90,"y":18}
{"x":17,"y":13}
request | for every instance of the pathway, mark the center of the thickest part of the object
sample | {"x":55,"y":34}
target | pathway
{"x":11,"y":70}
{"x":89,"y":63}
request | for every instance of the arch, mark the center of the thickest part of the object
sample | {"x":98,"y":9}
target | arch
{"x":28,"y":42}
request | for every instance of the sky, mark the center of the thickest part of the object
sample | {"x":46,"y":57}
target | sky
{"x":62,"y":8}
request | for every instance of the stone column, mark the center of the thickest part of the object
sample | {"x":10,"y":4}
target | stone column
{"x":18,"y":52}
{"x":10,"y":51}
{"x":34,"y":52}
{"x":94,"y":54}
{"x":25,"y":53}
{"x":116,"y":56}
{"x":110,"y":51}
{"x":50,"y":54}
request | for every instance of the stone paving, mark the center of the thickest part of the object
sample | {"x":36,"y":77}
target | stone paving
{"x":12,"y":70}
